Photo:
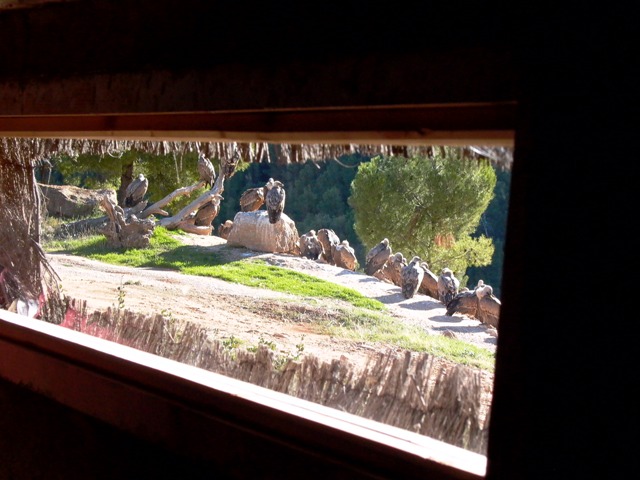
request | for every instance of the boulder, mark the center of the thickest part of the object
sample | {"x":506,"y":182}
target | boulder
{"x":67,"y":201}
{"x":252,"y":230}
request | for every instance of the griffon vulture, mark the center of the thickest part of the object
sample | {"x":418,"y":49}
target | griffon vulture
{"x":448,"y":286}
{"x":206,"y":171}
{"x":329,"y":240}
{"x":208,"y":212}
{"x":377,"y":257}
{"x":411,"y":276}
{"x":344,"y":256}
{"x":275,"y":199}
{"x":252,"y":199}
{"x":310,"y":246}
{"x":135,"y":191}
{"x":225,"y":228}
{"x":465,"y":303}
{"x":488,"y":306}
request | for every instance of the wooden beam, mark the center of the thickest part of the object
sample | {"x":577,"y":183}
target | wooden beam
{"x":464,"y":124}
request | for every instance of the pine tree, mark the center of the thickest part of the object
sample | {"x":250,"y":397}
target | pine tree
{"x":426,"y":206}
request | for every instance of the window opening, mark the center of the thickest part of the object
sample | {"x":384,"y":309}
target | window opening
{"x":273,"y":306}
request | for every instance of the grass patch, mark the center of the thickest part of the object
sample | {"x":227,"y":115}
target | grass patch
{"x":361,"y":325}
{"x":374,"y":327}
{"x":167,"y":252}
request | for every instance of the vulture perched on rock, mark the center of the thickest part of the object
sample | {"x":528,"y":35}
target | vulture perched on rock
{"x":206,"y":171}
{"x":275,"y":199}
{"x":377,"y":257}
{"x":411,"y":276}
{"x":429,"y":285}
{"x":344,"y":256}
{"x":225,"y":228}
{"x":448,"y":286}
{"x":209,"y":211}
{"x":392,"y":270}
{"x":488,"y":305}
{"x":465,"y":303}
{"x":135,"y":191}
{"x":479,"y":303}
{"x":310,"y":246}
{"x":252,"y":199}
{"x":329,"y":240}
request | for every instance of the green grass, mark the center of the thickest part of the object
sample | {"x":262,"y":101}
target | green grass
{"x":167,"y":252}
{"x":377,"y":327}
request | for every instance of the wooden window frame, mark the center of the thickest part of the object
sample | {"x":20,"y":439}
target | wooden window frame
{"x":71,"y":368}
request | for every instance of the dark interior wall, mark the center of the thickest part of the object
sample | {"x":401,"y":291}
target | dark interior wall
{"x":140,"y":34}
{"x":562,"y":377}
{"x":213,"y":56}
{"x":40,"y":438}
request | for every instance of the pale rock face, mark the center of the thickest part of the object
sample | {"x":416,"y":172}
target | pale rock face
{"x":252,"y":230}
{"x":67,"y":201}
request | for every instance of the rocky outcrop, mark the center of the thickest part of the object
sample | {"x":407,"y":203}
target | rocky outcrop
{"x":252,"y":230}
{"x":67,"y":201}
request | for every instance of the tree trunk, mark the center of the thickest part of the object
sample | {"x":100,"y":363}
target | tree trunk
{"x":24,"y":271}
{"x":126,"y":230}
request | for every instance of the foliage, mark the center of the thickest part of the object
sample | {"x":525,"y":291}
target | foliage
{"x":87,"y":171}
{"x":426,"y":206}
{"x":167,"y":252}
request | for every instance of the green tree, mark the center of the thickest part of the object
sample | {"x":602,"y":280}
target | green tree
{"x":426,"y":206}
